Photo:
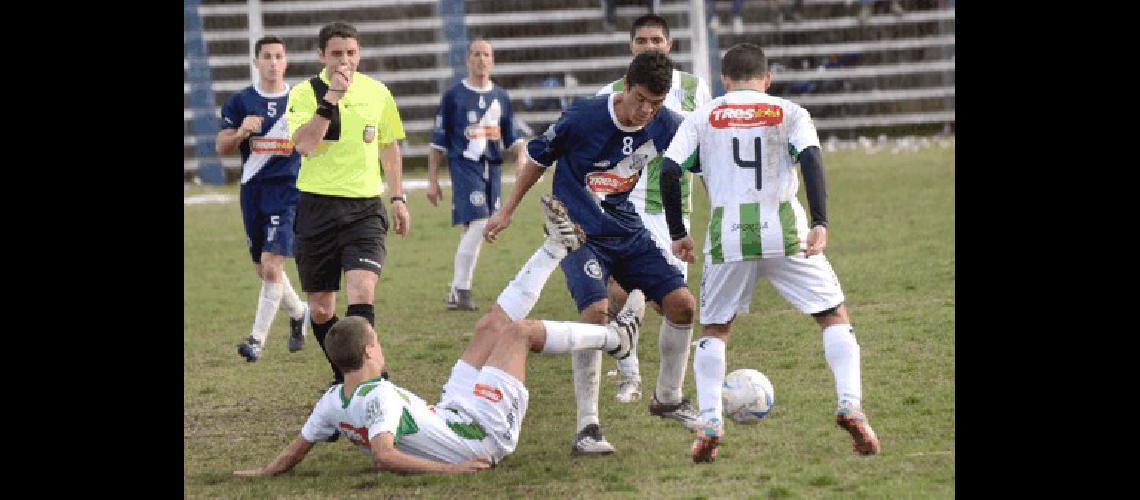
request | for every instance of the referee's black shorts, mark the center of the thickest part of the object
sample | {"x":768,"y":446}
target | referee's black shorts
{"x":334,"y":234}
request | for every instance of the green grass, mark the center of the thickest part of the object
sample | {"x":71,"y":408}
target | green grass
{"x":891,"y":243}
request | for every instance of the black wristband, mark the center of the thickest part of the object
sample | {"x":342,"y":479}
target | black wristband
{"x":327,"y":110}
{"x":402,"y":198}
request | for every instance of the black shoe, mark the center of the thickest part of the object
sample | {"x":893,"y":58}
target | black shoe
{"x":297,"y":331}
{"x":590,"y":441}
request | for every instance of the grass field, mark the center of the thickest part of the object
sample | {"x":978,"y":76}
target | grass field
{"x":891,"y":243}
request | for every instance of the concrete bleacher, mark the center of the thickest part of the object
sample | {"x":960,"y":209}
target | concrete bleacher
{"x":902,"y":75}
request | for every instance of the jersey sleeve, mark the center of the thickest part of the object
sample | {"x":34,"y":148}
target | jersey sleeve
{"x":319,"y":426}
{"x":704,"y":95}
{"x":606,"y":90}
{"x":300,"y":107}
{"x":232,"y":113}
{"x":685,"y":141}
{"x":383,"y":409}
{"x":507,"y":123}
{"x":391,"y":128}
{"x":546,"y":148}
{"x":801,"y":130}
{"x":442,"y":123}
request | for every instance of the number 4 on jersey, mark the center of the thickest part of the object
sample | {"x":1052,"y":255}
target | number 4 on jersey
{"x":754,"y":163}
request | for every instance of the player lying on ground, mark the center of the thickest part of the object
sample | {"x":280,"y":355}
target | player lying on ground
{"x":478,"y":418}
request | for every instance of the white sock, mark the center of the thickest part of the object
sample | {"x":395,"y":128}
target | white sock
{"x":673,"y":341}
{"x":586,"y":366}
{"x":267,"y":303}
{"x":293,"y":304}
{"x":564,"y":336}
{"x":467,"y":254}
{"x":521,"y":294}
{"x":842,"y":353}
{"x":708,"y":373}
{"x":629,"y":367}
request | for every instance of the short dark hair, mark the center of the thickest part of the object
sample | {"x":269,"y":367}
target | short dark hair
{"x":649,"y":20}
{"x":339,"y":28}
{"x":744,"y":61}
{"x":653,"y":69}
{"x":346,"y":341}
{"x":265,"y":40}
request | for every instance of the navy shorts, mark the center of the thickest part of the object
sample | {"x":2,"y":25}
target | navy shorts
{"x":635,"y":262}
{"x":267,"y":212}
{"x":475,"y":189}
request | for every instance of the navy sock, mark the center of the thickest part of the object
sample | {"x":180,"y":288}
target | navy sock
{"x":319,"y":331}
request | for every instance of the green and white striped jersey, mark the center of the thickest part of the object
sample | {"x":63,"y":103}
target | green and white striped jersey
{"x":687,"y":92}
{"x":378,"y":406}
{"x":749,"y":143}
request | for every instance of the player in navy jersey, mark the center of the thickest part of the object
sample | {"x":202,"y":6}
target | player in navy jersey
{"x":253,"y":120}
{"x":474,"y":126}
{"x":602,"y":145}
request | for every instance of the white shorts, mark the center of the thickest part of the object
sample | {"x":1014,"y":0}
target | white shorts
{"x":659,"y":228}
{"x":809,"y":284}
{"x":496,"y":401}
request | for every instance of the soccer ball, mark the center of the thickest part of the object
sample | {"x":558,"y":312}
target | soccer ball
{"x":747,"y":396}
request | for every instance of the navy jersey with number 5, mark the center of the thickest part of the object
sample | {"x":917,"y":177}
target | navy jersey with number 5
{"x":600,"y":161}
{"x":474,"y":124}
{"x":268,"y":153}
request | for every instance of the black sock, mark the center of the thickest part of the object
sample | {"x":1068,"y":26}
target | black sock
{"x":319,"y":331}
{"x":362,"y":310}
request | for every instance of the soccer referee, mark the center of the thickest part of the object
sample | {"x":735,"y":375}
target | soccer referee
{"x":345,"y":125}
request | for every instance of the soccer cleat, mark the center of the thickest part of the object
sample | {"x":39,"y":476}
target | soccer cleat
{"x":465,"y":303}
{"x":590,"y":441}
{"x":556,"y":225}
{"x":297,"y":329}
{"x":682,"y":412}
{"x":709,"y":435}
{"x":629,"y":390}
{"x":250,"y":349}
{"x":851,"y":419}
{"x":627,"y":324}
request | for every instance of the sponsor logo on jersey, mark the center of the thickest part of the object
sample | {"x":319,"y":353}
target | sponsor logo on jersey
{"x":358,"y":435}
{"x":478,"y":198}
{"x":746,"y":115}
{"x":369,"y":133}
{"x":593,"y":269}
{"x":609,"y":183}
{"x":481,"y":131}
{"x":489,"y":393}
{"x":602,"y":164}
{"x":268,"y":145}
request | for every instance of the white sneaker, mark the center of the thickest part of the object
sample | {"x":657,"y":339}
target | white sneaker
{"x":590,"y":441}
{"x":629,"y":390}
{"x":559,"y":229}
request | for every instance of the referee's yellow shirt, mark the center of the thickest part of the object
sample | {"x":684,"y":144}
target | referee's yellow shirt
{"x":350,"y":166}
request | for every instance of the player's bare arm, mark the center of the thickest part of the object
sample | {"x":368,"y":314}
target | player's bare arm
{"x":289,"y":457}
{"x":811,"y":164}
{"x":386,"y":457}
{"x":434,"y":193}
{"x":393,"y":162}
{"x":230,"y":138}
{"x":309,"y":136}
{"x":528,"y":174}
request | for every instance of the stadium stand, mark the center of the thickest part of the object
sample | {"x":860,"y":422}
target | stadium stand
{"x":891,"y":74}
